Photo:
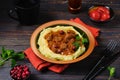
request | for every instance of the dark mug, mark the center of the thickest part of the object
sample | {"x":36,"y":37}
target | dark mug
{"x":27,"y":13}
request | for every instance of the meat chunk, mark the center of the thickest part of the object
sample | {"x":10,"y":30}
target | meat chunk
{"x":61,"y":42}
{"x":49,"y":36}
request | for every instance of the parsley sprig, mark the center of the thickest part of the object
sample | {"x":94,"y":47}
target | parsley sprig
{"x":111,"y":72}
{"x":84,"y":40}
{"x":77,"y":43}
{"x":10,"y":55}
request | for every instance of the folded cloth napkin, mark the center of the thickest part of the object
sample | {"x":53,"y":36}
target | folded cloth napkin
{"x":40,"y":64}
{"x":94,"y":31}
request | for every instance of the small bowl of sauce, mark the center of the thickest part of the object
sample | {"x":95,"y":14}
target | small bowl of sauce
{"x":100,"y":13}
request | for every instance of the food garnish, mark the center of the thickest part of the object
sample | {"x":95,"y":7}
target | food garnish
{"x":8,"y":54}
{"x":111,"y":72}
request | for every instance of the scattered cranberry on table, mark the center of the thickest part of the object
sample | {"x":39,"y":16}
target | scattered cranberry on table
{"x":20,"y":72}
{"x":99,"y":13}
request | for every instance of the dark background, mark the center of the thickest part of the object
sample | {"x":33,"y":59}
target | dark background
{"x":16,"y":36}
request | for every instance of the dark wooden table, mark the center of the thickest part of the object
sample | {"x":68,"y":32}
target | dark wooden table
{"x":16,"y":36}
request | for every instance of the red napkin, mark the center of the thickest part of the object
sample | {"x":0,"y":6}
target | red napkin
{"x":94,"y":31}
{"x":40,"y":64}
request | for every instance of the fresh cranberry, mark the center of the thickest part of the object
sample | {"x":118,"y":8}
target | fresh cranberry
{"x":20,"y":72}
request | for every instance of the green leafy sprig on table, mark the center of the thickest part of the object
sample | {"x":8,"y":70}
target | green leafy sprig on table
{"x":10,"y":55}
{"x":111,"y":72}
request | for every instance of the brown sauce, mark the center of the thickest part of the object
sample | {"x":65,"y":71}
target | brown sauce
{"x":61,"y":42}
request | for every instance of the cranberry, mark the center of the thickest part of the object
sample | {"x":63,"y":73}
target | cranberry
{"x":20,"y":72}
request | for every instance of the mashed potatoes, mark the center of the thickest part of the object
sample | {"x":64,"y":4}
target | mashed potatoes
{"x":47,"y":52}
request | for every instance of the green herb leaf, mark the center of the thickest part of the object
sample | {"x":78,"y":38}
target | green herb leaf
{"x":6,"y":53}
{"x":3,"y":50}
{"x":77,"y":37}
{"x":76,"y":44}
{"x":18,"y":56}
{"x":1,"y":62}
{"x":111,"y":72}
{"x":3,"y":55}
{"x":10,"y":54}
{"x":13,"y":62}
{"x":84,"y":40}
